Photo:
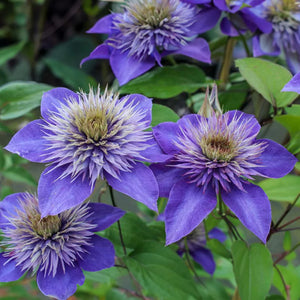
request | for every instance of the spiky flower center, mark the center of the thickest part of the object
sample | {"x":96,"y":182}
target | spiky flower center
{"x":148,"y":26}
{"x":97,"y":133}
{"x":48,"y":243}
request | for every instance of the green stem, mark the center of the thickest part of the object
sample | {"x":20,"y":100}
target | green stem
{"x":227,"y":60}
{"x":286,"y":287}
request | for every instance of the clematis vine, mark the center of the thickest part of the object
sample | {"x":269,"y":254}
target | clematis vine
{"x":55,"y":248}
{"x":146,"y":31}
{"x":195,"y":244}
{"x":212,"y":157}
{"x":85,"y":136}
{"x":284,"y":15}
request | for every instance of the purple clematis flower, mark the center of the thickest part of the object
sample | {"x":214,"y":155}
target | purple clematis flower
{"x":56,"y":248}
{"x":86,"y":136}
{"x":240,"y":16}
{"x":284,"y":15}
{"x":145,"y":32}
{"x":196,"y":243}
{"x":216,"y":156}
{"x":293,"y":85}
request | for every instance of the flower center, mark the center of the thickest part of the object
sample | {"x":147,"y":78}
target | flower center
{"x":45,"y":227}
{"x":218,"y":148}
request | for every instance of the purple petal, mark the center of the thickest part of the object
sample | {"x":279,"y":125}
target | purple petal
{"x":29,"y":142}
{"x":205,"y":259}
{"x":207,"y":18}
{"x":8,"y":207}
{"x":101,"y":52}
{"x":104,"y":215}
{"x":166,"y":134}
{"x":52,"y":100}
{"x":56,"y":195}
{"x":197,"y":1}
{"x":188,"y":205}
{"x":254,"y":22}
{"x":227,"y":28}
{"x":9,"y":271}
{"x":101,"y":255}
{"x":265,"y":45}
{"x":218,"y":234}
{"x":139,"y":184}
{"x":293,"y":60}
{"x":103,"y":25}
{"x":221,"y":4}
{"x":126,"y":67}
{"x":154,"y":153}
{"x":190,"y":119}
{"x":166,"y":177}
{"x":252,"y":208}
{"x":142,"y":103}
{"x":63,"y":284}
{"x":276,"y":161}
{"x":197,"y":49}
{"x":243,"y":117}
{"x":293,"y":85}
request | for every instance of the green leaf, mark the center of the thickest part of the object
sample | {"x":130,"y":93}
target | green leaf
{"x":218,"y":248}
{"x":293,"y":110}
{"x":290,"y":122}
{"x":294,"y":144}
{"x":162,"y":113}
{"x":161,"y":272}
{"x":166,"y":82}
{"x":72,"y":77}
{"x":283,"y":189}
{"x":253,"y":270}
{"x":6,"y":53}
{"x":19,"y":174}
{"x":268,"y":79}
{"x":19,"y":97}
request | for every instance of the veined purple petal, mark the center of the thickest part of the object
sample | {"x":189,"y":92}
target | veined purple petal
{"x":8,"y":270}
{"x":103,"y":25}
{"x":218,"y":234}
{"x":197,"y":49}
{"x":100,"y":255}
{"x":139,"y":183}
{"x":166,"y":177}
{"x":63,"y":284}
{"x":101,"y":52}
{"x":293,"y":85}
{"x":252,"y":208}
{"x":204,"y":258}
{"x":56,"y":195}
{"x":29,"y":142}
{"x":8,"y":208}
{"x":142,"y":103}
{"x":127,"y":67}
{"x":275,"y":160}
{"x":104,"y":215}
{"x":53,"y":99}
{"x":166,"y":134}
{"x":188,"y":205}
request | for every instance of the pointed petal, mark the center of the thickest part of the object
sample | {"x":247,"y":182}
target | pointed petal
{"x":276,"y":161}
{"x":56,"y":195}
{"x":293,"y":85}
{"x":154,"y":153}
{"x":197,"y":49}
{"x":205,"y":259}
{"x":251,"y":207}
{"x":8,"y":207}
{"x":221,"y":4}
{"x":62,"y":285}
{"x":142,"y":103}
{"x":166,"y":134}
{"x":9,"y":271}
{"x":101,"y":255}
{"x":29,"y":142}
{"x":227,"y":28}
{"x":103,"y":25}
{"x":188,"y":205}
{"x":254,"y":22}
{"x":104,"y":215}
{"x":126,"y":67}
{"x":217,"y":234}
{"x":166,"y":177}
{"x":139,"y":184}
{"x":52,"y":100}
{"x":100,"y":52}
